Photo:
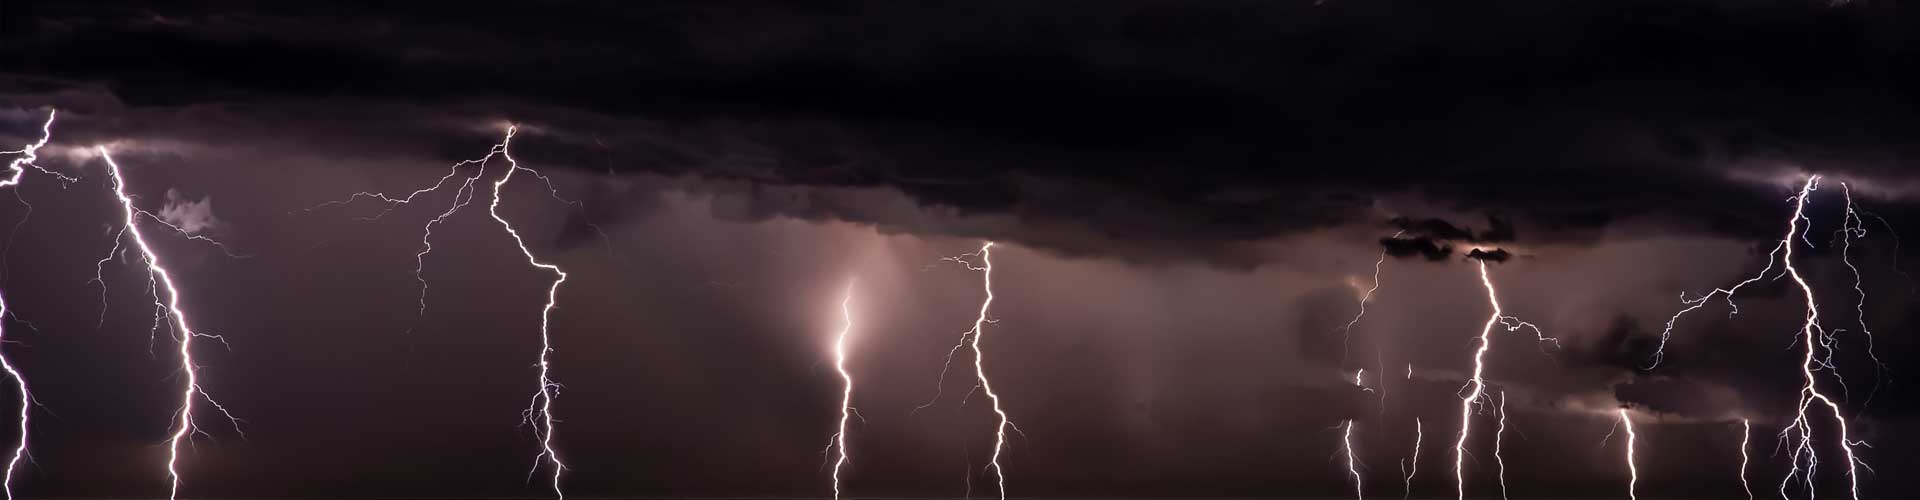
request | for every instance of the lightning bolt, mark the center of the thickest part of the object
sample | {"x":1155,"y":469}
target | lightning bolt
{"x":542,"y":403}
{"x":1499,"y":434}
{"x":183,"y":332}
{"x":17,"y":172}
{"x":1478,"y":387}
{"x":1633,"y":480}
{"x":980,"y":370}
{"x":1746,"y":430}
{"x":970,"y":339}
{"x":1353,"y":469}
{"x":1418,"y":434}
{"x":539,"y":412}
{"x":839,"y":441}
{"x":1813,"y":338}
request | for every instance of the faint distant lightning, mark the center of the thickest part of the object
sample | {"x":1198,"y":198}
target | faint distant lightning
{"x":1418,"y":434}
{"x":183,"y":332}
{"x":1499,"y":434}
{"x":1367,"y":296}
{"x":1353,"y":469}
{"x":17,"y":171}
{"x":1746,"y":430}
{"x":539,"y":412}
{"x":1633,"y":480}
{"x":839,"y":442}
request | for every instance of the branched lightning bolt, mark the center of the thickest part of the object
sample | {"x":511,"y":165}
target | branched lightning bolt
{"x":1477,"y":387}
{"x":1746,"y":430}
{"x":542,"y":403}
{"x":183,"y":332}
{"x":1418,"y":434}
{"x":1353,"y":468}
{"x":980,"y":370}
{"x":539,"y":412}
{"x":1813,"y":338}
{"x":16,"y":171}
{"x":970,"y":339}
{"x":839,"y":441}
{"x":1633,"y":479}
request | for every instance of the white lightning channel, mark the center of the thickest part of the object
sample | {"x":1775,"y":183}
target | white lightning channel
{"x":1477,"y":387}
{"x":17,"y":171}
{"x":1746,"y":431}
{"x":980,"y":370}
{"x":1353,"y":468}
{"x":839,"y":442}
{"x":184,"y":333}
{"x":539,"y":412}
{"x":1633,"y":479}
{"x":541,"y":407}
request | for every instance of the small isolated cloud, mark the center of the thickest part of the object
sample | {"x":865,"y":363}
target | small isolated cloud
{"x":190,"y":215}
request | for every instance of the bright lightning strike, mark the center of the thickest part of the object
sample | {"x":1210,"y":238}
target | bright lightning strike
{"x":1353,"y":468}
{"x":539,"y":412}
{"x":1810,"y":330}
{"x":839,"y":442}
{"x":1633,"y":480}
{"x":542,"y":405}
{"x":17,"y":171}
{"x":1478,"y":387}
{"x":183,"y":332}
{"x":970,"y":339}
{"x":1746,"y":430}
{"x":1813,"y":337}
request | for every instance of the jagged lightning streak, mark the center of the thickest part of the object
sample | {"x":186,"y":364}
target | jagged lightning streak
{"x":1633,"y":479}
{"x":1810,"y":392}
{"x":970,"y":339}
{"x":539,"y":412}
{"x":17,"y":170}
{"x":1498,"y":435}
{"x":542,"y":404}
{"x":1746,"y":430}
{"x":183,"y":332}
{"x":1478,"y":385}
{"x":1353,"y":469}
{"x":839,"y":442}
{"x":1812,"y":336}
{"x":1418,"y":434}
{"x":980,"y":370}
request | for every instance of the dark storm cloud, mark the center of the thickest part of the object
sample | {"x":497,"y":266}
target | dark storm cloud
{"x":1494,"y":255}
{"x":1422,"y":246}
{"x":1174,"y":128}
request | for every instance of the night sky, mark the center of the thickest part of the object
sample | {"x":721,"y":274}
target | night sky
{"x":1187,"y":200}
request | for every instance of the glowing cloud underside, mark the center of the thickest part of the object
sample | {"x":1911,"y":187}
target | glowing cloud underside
{"x":183,"y":332}
{"x":16,"y":170}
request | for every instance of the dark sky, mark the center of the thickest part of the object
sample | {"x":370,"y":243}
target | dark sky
{"x":1189,"y":198}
